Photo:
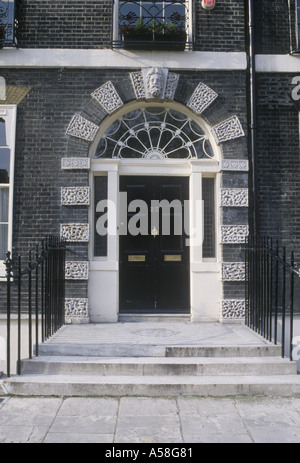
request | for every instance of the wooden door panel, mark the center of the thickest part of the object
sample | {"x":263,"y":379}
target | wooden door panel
{"x":154,"y":270}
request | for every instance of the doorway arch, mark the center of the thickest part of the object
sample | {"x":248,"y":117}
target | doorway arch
{"x":155,"y":147}
{"x":111,"y":102}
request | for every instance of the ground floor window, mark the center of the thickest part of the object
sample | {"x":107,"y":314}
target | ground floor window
{"x":7,"y":150}
{"x":100,"y":193}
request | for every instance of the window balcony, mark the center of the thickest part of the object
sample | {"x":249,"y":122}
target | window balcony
{"x":8,"y":23}
{"x":152,"y":25}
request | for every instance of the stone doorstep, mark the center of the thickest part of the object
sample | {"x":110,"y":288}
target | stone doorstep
{"x":156,"y":350}
{"x":155,"y":366}
{"x":156,"y":361}
{"x":146,"y":386}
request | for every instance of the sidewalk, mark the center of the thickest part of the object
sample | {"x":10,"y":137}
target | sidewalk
{"x":146,"y":420}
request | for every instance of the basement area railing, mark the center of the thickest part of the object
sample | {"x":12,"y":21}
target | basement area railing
{"x":272,"y":291}
{"x":35,"y":292}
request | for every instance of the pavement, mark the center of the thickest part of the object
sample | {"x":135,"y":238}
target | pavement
{"x":127,"y":420}
{"x":139,"y":420}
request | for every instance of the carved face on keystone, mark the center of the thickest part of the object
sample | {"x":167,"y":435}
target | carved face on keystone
{"x":155,"y":82}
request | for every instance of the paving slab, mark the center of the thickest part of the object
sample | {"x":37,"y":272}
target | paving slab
{"x":71,"y":438}
{"x":27,"y":420}
{"x":145,"y":406}
{"x":148,"y":429}
{"x":176,"y":420}
{"x":268,"y":421}
{"x":89,"y":407}
{"x":15,"y":434}
{"x":33,"y":411}
{"x":148,"y":420}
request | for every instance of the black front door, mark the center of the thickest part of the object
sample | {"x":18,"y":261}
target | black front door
{"x":154,"y":258}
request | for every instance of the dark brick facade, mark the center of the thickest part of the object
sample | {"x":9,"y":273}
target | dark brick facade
{"x":57,"y":94}
{"x":42,"y":120}
{"x":278,"y":159}
{"x":88,"y":24}
{"x":65,"y":24}
{"x":222,"y":29}
{"x":272,"y":31}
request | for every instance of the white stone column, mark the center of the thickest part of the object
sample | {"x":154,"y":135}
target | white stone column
{"x":104,"y":273}
{"x":206,"y":287}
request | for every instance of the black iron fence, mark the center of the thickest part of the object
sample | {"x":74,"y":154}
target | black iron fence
{"x":272,"y":291}
{"x":36,"y":291}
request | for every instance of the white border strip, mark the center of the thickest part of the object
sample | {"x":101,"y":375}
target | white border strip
{"x":118,"y":59}
{"x":277,"y":63}
{"x":97,"y":59}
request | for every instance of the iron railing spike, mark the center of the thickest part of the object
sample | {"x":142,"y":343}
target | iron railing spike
{"x":49,"y":257}
{"x":268,"y":272}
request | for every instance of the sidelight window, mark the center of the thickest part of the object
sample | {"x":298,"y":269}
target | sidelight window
{"x":100,"y":192}
{"x":209,"y":235}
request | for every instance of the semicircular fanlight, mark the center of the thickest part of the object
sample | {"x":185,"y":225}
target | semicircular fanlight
{"x":154,"y":133}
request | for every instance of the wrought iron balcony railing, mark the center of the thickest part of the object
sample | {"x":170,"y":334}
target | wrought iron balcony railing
{"x":8,"y":23}
{"x":152,"y":25}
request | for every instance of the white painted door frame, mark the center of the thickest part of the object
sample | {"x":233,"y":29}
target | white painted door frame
{"x":206,"y":287}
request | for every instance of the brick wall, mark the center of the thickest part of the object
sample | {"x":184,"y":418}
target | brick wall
{"x":221,"y":29}
{"x":272,"y":34}
{"x":88,"y":24}
{"x":42,"y":120}
{"x":278,"y":169}
{"x":65,"y":24}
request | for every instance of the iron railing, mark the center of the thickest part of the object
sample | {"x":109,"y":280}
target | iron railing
{"x":151,"y":25}
{"x":38,"y":290}
{"x":271,"y":295}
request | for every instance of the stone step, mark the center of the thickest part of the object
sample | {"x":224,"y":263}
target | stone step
{"x":157,"y":350}
{"x":268,"y":350}
{"x":102,"y":350}
{"x":141,"y":318}
{"x":150,"y":386}
{"x":155,"y":366}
